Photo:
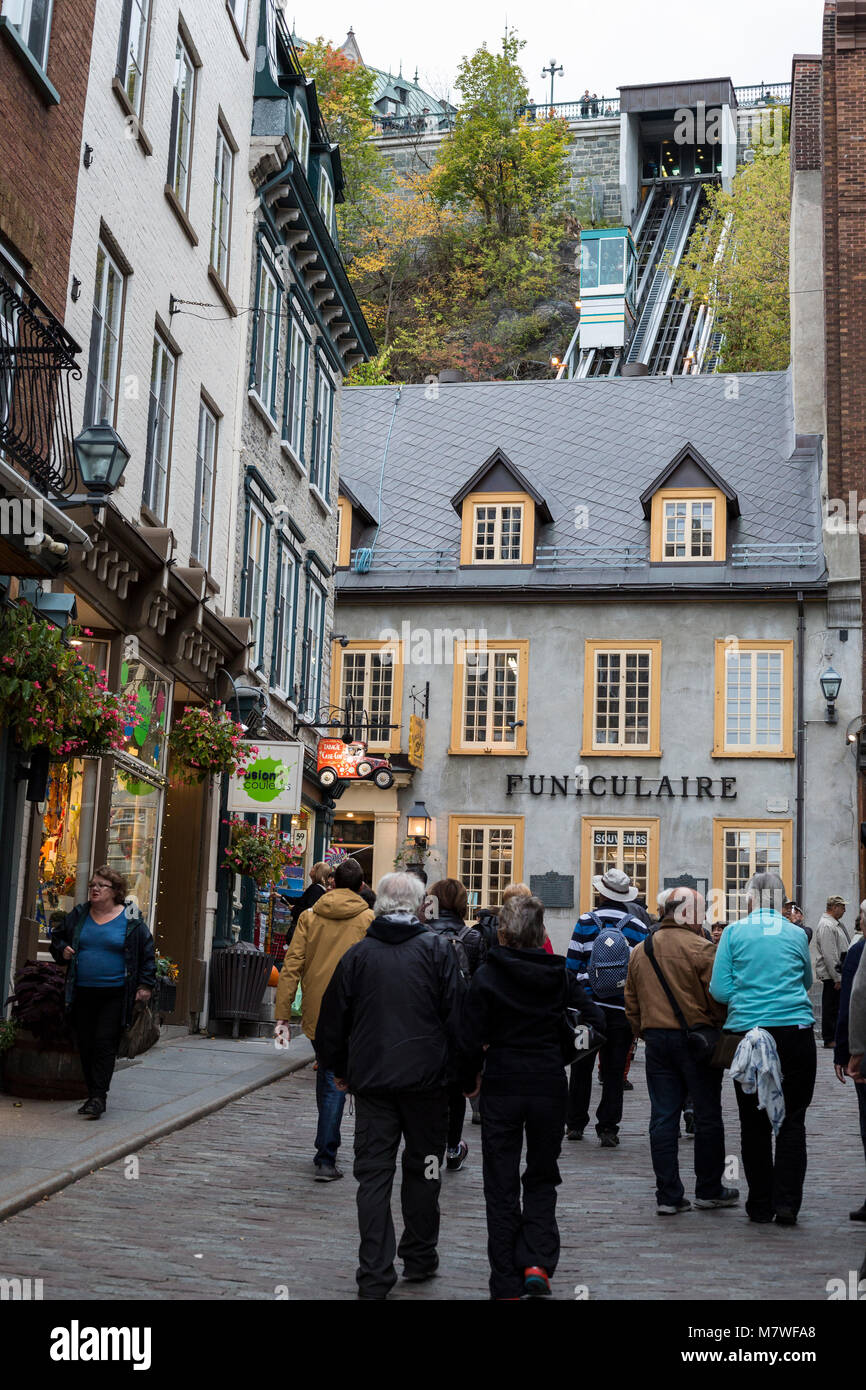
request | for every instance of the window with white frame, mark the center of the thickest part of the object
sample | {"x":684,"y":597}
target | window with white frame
{"x":221,"y":211}
{"x":284,"y":628}
{"x":132,"y":50}
{"x":205,"y":469}
{"x":31,"y":20}
{"x":485,"y":861}
{"x":267,"y":336}
{"x":257,"y":546}
{"x":103,"y":368}
{"x":182,"y":107}
{"x":326,"y":199}
{"x":497,"y":533}
{"x":320,"y":470}
{"x":754,"y":709}
{"x":491,"y":690}
{"x":296,"y":390}
{"x":301,"y":138}
{"x":748,"y":850}
{"x":239,"y":12}
{"x":623,"y":698}
{"x":159,"y":426}
{"x":367,"y":680}
{"x":314,"y":625}
{"x":689,"y":528}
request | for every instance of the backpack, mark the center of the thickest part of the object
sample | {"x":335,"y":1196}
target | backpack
{"x":608,"y":959}
{"x":457,"y":939}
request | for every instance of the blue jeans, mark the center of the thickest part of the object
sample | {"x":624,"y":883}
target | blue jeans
{"x":672,"y":1074}
{"x":330,"y":1104}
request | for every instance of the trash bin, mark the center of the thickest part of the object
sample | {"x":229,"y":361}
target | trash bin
{"x":239,"y":977}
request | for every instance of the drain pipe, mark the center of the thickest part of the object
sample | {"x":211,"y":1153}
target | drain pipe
{"x":801,"y":750}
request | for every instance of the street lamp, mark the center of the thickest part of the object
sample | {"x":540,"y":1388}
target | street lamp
{"x":831,"y":683}
{"x":101,"y":456}
{"x":419,"y":825}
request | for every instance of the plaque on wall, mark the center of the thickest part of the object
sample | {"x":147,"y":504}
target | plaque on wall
{"x":554,"y":890}
{"x":689,"y":881}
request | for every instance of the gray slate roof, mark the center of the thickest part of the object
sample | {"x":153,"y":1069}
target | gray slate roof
{"x":596,"y":443}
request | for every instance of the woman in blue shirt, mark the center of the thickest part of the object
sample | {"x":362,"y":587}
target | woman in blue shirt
{"x":763,"y":973}
{"x":110,"y":954}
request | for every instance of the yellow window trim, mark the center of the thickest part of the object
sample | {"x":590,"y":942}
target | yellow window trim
{"x":511,"y":750}
{"x":344,"y":549}
{"x":719,"y":828}
{"x":591,"y":647}
{"x":786,"y":647}
{"x":679,"y":494}
{"x":456,"y":822}
{"x":392,"y":746}
{"x":590,"y":823}
{"x":527,"y":527}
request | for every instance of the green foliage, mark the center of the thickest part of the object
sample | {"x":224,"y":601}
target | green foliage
{"x":372,"y":373}
{"x":8,"y":1030}
{"x":262,"y":854}
{"x":737,"y":262}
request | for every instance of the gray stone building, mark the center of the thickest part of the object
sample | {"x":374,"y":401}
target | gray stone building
{"x":611,"y":601}
{"x":305,"y":333}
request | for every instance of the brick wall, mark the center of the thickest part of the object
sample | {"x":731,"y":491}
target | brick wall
{"x":41,"y":150}
{"x":805,"y":112}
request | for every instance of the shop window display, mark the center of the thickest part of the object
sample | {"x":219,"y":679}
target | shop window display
{"x":138,"y":787}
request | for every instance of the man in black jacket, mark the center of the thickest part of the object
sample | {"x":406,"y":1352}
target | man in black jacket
{"x":387,"y":1030}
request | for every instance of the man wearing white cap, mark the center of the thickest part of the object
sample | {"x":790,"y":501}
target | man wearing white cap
{"x":616,"y":912}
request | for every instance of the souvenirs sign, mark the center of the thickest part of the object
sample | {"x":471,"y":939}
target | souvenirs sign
{"x":271,"y":783}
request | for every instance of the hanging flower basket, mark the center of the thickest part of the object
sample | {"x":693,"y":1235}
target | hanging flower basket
{"x":49,"y":697}
{"x":262,"y":854}
{"x":206,"y":741}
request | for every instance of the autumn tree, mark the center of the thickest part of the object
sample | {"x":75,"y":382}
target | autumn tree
{"x":737,"y":262}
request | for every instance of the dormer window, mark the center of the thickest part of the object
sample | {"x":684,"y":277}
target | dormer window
{"x":688,"y":506}
{"x":499,"y":511}
{"x":497,"y":533}
{"x":326,"y":200}
{"x":301,"y":138}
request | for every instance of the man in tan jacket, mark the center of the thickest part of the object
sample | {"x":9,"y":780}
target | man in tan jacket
{"x":685,"y":959}
{"x":322,"y":937}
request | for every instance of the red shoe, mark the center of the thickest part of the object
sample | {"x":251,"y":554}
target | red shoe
{"x":535,"y":1281}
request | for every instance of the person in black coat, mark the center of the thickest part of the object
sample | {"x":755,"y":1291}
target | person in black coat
{"x":842,"y":1050}
{"x":108,"y":950}
{"x":515,"y":1009}
{"x":321,"y":876}
{"x":446,"y":910}
{"x":387,"y":1031}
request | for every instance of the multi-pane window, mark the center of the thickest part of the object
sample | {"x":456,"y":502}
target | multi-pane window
{"x":688,"y":529}
{"x":205,"y":468}
{"x":620,"y":844}
{"x":31,"y":19}
{"x":284,"y":629}
{"x":182,"y":107}
{"x":320,"y":469}
{"x":104,"y":360}
{"x":488,"y":711}
{"x":315,"y":621}
{"x":222,"y":206}
{"x":745,"y":850}
{"x":754,"y":715}
{"x":159,"y":424}
{"x":485,"y":856}
{"x":367,"y":685}
{"x":257,"y":545}
{"x":301,"y":138}
{"x":296,"y":390}
{"x":326,"y":200}
{"x":267,"y":337}
{"x":497,"y":534}
{"x":13,"y":274}
{"x":132,"y":50}
{"x":622,"y":698}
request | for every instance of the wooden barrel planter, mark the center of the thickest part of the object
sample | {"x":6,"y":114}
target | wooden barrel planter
{"x":34,"y":1072}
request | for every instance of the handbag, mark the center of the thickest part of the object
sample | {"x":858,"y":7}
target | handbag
{"x":702,"y":1041}
{"x":141,"y":1034}
{"x":578,"y":1039}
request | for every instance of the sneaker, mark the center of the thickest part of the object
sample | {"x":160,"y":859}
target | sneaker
{"x":859,"y":1214}
{"x":628,"y":1086}
{"x":607,"y":1140}
{"x":684,"y":1205}
{"x":327,"y":1172}
{"x":455,"y":1158}
{"x":574,"y":1134}
{"x":785,"y":1216}
{"x":728,"y":1197}
{"x":536,"y":1281}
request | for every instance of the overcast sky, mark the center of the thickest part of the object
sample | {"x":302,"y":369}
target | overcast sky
{"x":600,"y":45}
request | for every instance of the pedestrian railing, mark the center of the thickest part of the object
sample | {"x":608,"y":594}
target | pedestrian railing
{"x":795,"y":553}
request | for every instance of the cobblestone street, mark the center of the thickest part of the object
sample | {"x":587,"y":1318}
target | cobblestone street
{"x":226,"y":1208}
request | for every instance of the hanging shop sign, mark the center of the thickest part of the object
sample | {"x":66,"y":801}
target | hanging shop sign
{"x":271,"y":783}
{"x":338,"y":761}
{"x":604,"y":784}
{"x":417,"y":730}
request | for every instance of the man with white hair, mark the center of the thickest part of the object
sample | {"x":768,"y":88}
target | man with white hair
{"x":763,"y":972}
{"x":851,"y":1031}
{"x":387,"y":1030}
{"x":831,"y":946}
